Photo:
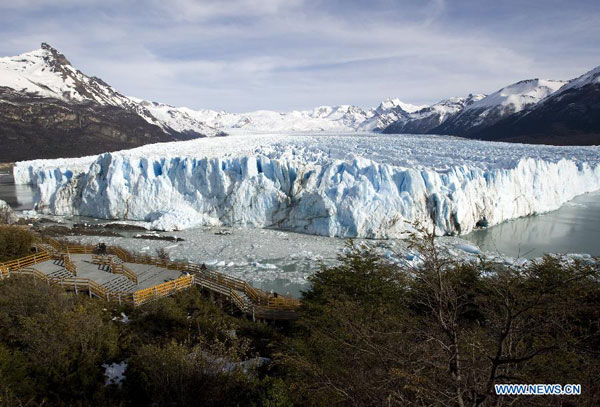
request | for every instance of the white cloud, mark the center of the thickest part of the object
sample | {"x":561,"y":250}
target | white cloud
{"x":208,"y":9}
{"x":251,"y":54}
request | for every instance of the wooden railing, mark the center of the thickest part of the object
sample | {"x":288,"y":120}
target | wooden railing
{"x":79,"y":284}
{"x":259,"y":297}
{"x":124,"y":270}
{"x":219,"y":281}
{"x":283,"y":303}
{"x":101,"y":260}
{"x":57,"y":246}
{"x":78,"y":249}
{"x":27,"y":261}
{"x":69,"y":265}
{"x":161,"y":290}
{"x":115,"y":267}
{"x":35,"y":273}
{"x":239,"y":302}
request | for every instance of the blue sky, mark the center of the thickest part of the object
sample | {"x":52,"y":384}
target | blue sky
{"x":242,"y":55}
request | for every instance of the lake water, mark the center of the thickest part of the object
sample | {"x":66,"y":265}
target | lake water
{"x":19,"y":197}
{"x":573,"y":228}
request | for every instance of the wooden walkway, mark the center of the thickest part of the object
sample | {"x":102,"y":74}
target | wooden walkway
{"x":120,"y":276}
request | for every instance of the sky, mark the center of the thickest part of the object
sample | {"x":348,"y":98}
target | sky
{"x":244,"y":55}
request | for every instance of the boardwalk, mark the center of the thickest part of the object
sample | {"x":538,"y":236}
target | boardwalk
{"x":117,"y":275}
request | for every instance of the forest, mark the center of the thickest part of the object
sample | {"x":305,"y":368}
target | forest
{"x":370,"y":333}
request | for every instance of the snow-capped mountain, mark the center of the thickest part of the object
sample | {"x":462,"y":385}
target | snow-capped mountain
{"x":465,"y":116}
{"x":571,"y":115}
{"x":322,"y":118}
{"x":422,"y":121}
{"x":591,"y":78}
{"x":498,"y":105}
{"x":46,"y":72}
{"x":48,"y":108}
{"x":388,"y":112}
{"x":529,"y":111}
{"x":182,"y":119}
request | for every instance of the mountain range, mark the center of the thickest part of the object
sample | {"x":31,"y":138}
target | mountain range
{"x":50,"y":109}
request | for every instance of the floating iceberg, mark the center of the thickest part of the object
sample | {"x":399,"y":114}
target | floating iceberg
{"x":347,"y":185}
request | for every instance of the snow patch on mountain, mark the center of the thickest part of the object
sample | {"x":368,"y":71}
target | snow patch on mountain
{"x":347,"y":185}
{"x":588,"y":78}
{"x":47,"y":73}
{"x":519,"y":95}
{"x":489,"y":110}
{"x":446,"y":108}
{"x":182,"y":120}
{"x":323,"y":118}
{"x":392,"y":103}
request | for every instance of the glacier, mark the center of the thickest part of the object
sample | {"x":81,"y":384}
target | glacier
{"x":346,"y":185}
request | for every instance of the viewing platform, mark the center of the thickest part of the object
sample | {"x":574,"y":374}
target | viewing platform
{"x":113,"y":274}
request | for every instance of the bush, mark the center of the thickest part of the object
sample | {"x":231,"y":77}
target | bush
{"x":52,"y":344}
{"x":15,"y":242}
{"x":180,"y":350}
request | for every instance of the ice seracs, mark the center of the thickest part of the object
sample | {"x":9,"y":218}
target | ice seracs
{"x":347,"y":185}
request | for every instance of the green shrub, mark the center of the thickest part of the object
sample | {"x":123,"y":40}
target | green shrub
{"x":14,"y":242}
{"x":52,"y":344}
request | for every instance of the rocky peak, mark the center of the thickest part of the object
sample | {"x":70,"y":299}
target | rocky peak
{"x":54,"y":58}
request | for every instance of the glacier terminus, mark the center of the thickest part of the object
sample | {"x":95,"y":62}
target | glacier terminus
{"x":345,"y":185}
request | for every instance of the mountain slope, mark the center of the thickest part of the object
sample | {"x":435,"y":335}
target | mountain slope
{"x":498,"y":105}
{"x":529,"y":111}
{"x":39,"y":127}
{"x":45,"y":74}
{"x":424,"y":120}
{"x":50,"y":109}
{"x":570,"y":116}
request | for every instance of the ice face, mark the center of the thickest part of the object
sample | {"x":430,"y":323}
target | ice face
{"x":346,"y":185}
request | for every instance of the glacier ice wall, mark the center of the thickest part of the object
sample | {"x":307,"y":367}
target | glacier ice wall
{"x":351,"y":186}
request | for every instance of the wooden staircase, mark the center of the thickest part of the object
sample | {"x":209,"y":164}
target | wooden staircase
{"x":120,"y":284}
{"x":124,"y":286}
{"x":60,"y":274}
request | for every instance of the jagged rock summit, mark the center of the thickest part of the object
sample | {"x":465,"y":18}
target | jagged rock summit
{"x":49,"y":109}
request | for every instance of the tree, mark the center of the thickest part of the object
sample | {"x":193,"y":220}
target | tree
{"x":445,"y":331}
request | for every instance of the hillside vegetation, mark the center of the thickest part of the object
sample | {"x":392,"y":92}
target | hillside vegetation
{"x":371,"y":333}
